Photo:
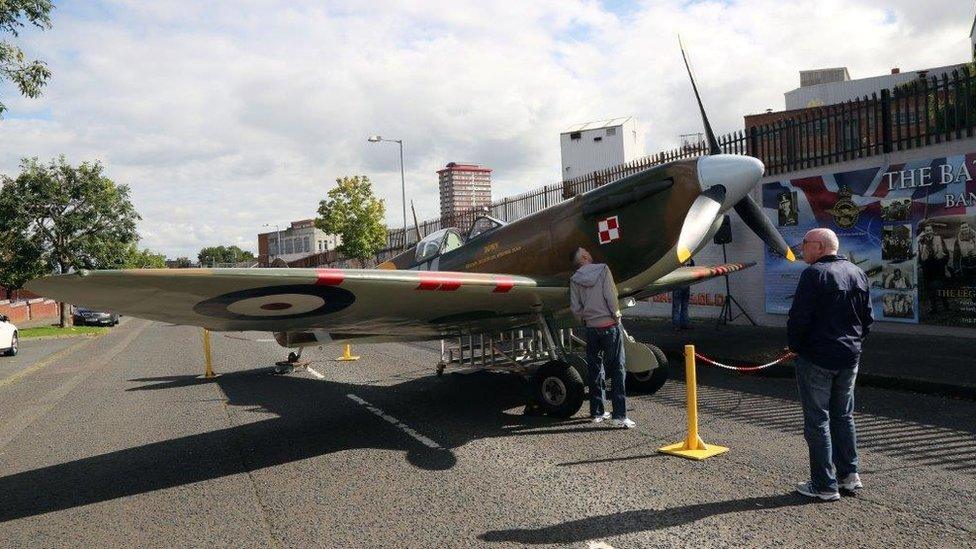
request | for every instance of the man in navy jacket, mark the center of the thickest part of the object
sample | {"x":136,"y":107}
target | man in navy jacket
{"x":830,"y":317}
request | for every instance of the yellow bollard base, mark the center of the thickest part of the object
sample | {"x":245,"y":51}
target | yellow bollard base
{"x":681,"y":449}
{"x":347,"y":355}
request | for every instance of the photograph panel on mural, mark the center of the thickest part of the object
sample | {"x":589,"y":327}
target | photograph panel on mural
{"x":896,"y":276}
{"x":896,"y":243}
{"x":911,"y":227}
{"x":896,"y":209}
{"x":788,"y":212}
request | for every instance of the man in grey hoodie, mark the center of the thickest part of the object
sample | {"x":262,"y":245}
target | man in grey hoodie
{"x":593,"y":300}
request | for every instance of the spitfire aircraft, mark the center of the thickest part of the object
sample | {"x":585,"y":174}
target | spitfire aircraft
{"x":491,"y":277}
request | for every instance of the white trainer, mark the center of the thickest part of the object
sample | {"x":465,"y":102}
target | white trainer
{"x":599,"y":419}
{"x":807,"y":489}
{"x":625,"y":423}
{"x":850,"y":483}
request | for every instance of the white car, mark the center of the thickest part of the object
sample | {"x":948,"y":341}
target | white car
{"x":8,"y":337}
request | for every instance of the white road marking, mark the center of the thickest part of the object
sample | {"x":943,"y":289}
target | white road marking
{"x":314,"y":373}
{"x":396,"y":422}
{"x":598,"y":545}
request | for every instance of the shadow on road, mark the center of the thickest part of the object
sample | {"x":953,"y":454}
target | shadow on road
{"x":314,"y":418}
{"x":606,"y":526}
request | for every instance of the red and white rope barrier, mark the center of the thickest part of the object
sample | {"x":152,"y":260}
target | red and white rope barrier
{"x":707,"y":360}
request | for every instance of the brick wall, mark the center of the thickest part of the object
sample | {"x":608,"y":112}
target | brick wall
{"x":21,"y":312}
{"x":43,"y":308}
{"x":16,"y":311}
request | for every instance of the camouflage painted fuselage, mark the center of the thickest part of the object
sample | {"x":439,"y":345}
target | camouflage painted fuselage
{"x":649,"y":207}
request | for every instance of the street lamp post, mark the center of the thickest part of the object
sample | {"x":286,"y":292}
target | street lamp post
{"x":277,"y":238}
{"x":403,"y":187}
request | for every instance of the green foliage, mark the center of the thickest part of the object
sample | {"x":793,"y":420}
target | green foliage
{"x":29,"y":75}
{"x":20,"y":260}
{"x":183,"y":263}
{"x":143,"y":259}
{"x":65,"y":217}
{"x":356,"y":215}
{"x":222,"y":254}
{"x":71,"y":217}
{"x":54,"y":331}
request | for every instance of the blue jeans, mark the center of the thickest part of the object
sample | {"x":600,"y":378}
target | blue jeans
{"x":605,"y":349}
{"x":679,"y":307}
{"x":827,"y":397}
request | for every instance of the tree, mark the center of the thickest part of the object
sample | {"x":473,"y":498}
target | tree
{"x":356,"y":215}
{"x":183,"y":263}
{"x":29,"y":76}
{"x":73,"y":218}
{"x":20,"y":261}
{"x":144,"y":259}
{"x":222,"y":254}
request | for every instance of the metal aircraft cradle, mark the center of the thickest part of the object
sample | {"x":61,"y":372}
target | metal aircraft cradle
{"x":502,"y":288}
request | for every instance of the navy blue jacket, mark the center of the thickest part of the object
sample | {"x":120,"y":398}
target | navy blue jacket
{"x":831,"y":313}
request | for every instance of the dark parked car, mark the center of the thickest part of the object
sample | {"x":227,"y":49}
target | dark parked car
{"x":82,"y":316}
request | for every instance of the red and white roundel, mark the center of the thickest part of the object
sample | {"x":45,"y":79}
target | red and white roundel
{"x":276,"y":305}
{"x":609,"y":230}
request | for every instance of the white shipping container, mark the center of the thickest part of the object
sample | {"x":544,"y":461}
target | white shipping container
{"x":586,"y":148}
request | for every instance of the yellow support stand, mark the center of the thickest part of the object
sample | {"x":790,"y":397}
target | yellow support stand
{"x":347,"y":354}
{"x":692,"y":447}
{"x":209,"y":373}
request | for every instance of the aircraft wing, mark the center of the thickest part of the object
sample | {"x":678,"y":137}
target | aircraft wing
{"x":405,"y":304}
{"x":686,"y":276}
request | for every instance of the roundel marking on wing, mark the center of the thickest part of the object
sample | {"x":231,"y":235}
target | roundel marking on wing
{"x":277,"y":302}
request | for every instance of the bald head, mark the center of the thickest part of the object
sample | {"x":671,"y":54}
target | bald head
{"x":818,"y":243}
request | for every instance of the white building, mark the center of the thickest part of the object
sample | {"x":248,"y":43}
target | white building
{"x":301,"y":239}
{"x":832,"y":86}
{"x":601,"y":144}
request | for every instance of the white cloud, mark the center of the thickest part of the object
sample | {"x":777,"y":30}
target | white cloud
{"x":225,"y":116}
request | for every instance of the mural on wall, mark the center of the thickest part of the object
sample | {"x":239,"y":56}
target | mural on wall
{"x":911,"y":227}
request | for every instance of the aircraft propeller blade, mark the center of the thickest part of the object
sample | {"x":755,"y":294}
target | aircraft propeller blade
{"x":713,"y":147}
{"x":752,"y":215}
{"x":700,"y":218}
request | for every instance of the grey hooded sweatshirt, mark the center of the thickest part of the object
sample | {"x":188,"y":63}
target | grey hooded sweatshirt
{"x":593,"y":296}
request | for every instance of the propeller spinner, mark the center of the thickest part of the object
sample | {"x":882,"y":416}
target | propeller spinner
{"x":737,"y":174}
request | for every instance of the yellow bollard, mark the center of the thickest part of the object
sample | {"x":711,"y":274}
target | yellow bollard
{"x":692,"y":447}
{"x":209,"y":373}
{"x":347,"y":354}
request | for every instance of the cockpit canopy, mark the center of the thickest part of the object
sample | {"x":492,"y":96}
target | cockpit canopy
{"x":437,"y":243}
{"x":445,"y":240}
{"x":484,"y":225}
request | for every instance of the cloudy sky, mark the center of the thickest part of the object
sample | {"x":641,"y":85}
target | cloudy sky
{"x":224,"y":116}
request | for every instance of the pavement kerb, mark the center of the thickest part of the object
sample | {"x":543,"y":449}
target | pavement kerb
{"x":64,"y":336}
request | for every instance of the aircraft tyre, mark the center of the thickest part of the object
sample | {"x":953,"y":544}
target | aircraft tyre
{"x":558,"y":388}
{"x":648,"y":383}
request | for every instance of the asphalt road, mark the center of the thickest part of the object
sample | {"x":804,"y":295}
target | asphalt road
{"x":116,"y":442}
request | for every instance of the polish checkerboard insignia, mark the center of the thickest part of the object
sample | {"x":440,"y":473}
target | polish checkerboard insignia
{"x":609,"y":230}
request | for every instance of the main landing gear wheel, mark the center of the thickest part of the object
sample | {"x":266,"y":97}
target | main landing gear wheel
{"x":648,"y":383}
{"x":288,"y":366}
{"x":558,"y":388}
